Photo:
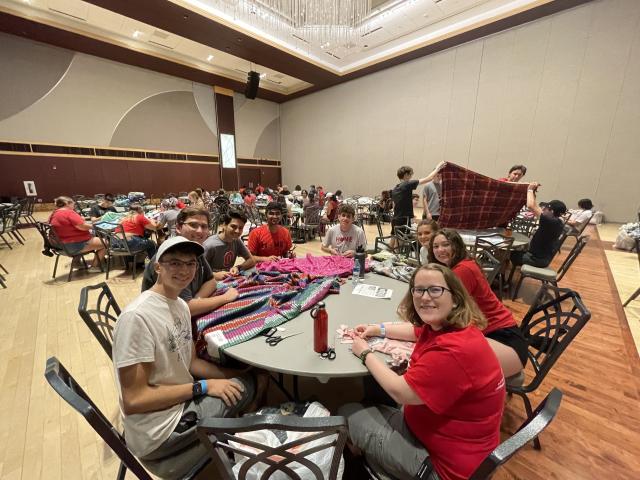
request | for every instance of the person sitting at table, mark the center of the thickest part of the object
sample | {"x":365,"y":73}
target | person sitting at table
{"x":222,"y":249}
{"x":74,"y":232}
{"x":271,"y":241}
{"x":447,"y":248}
{"x":134,"y":225}
{"x":297,"y":192}
{"x":157,"y":373}
{"x":249,"y":197}
{"x":452,"y":394}
{"x":345,"y":238}
{"x":424,"y":232}
{"x":168,"y":215}
{"x":99,"y":209}
{"x":579,"y":217}
{"x":515,"y":174}
{"x":195,"y":200}
{"x":331,"y":210}
{"x":544,"y":243}
{"x":193,"y":224}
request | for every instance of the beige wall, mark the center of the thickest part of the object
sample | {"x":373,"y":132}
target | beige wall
{"x":53,"y":95}
{"x":561,"y":95}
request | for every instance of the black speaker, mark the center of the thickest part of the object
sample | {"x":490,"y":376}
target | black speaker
{"x":253,"y":82}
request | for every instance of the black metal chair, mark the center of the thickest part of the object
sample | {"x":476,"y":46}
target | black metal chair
{"x":115,"y":243}
{"x":101,"y":318}
{"x":549,"y":275}
{"x":540,"y":419}
{"x":9,"y":219}
{"x":309,"y":226}
{"x":499,"y":250}
{"x":26,"y":211}
{"x":549,"y":327}
{"x":66,"y":386}
{"x":220,"y":436}
{"x":2,"y":279}
{"x":524,"y":225}
{"x":382,"y":239}
{"x":54,"y":247}
{"x":635,"y":294}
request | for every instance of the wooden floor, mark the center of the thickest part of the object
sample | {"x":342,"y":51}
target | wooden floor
{"x":596,"y":434}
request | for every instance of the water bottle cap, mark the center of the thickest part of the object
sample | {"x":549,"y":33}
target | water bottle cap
{"x":320,"y":304}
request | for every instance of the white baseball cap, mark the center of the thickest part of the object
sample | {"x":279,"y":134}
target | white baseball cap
{"x":169,"y":244}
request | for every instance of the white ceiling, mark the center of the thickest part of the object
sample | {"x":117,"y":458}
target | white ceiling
{"x":394,"y":27}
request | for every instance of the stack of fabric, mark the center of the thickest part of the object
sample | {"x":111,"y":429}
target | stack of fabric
{"x":266,"y":300}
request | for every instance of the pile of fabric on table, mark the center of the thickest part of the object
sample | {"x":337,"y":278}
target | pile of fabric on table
{"x":390,"y":265}
{"x":266,"y":300}
{"x":327,"y":265}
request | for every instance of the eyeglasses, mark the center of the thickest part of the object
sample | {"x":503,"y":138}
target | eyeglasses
{"x":178,"y":264}
{"x":197,"y":225}
{"x":434,"y":291}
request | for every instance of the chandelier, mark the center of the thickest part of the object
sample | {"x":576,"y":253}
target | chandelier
{"x":327,"y":24}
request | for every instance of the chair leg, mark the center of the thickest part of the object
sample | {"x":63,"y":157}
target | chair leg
{"x":19,"y":233}
{"x":108,"y":265}
{"x":517,"y":289}
{"x":4,"y":269}
{"x":70,"y":270}
{"x":17,"y":237}
{"x":4,"y":285}
{"x":55,"y":266}
{"x":135,"y":264}
{"x":122,"y":471}
{"x":632,"y":297}
{"x":5,"y":241}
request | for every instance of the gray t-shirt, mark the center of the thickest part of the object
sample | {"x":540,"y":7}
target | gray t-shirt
{"x":345,"y":241}
{"x":222,"y":255}
{"x":169,"y":218}
{"x":203,"y":274}
{"x":153,"y":329}
{"x":432,"y":192}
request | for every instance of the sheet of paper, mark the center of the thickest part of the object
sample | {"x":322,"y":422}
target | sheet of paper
{"x":372,"y":291}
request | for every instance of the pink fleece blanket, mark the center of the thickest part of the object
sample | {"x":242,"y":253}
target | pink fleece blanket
{"x":324,"y":266}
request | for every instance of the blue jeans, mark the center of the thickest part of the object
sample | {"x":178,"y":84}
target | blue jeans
{"x":139,"y":243}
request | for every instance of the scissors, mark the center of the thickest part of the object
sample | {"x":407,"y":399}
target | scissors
{"x":329,"y":354}
{"x":274,"y":340}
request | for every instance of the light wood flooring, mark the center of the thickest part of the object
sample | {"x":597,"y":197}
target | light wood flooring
{"x":596,"y":434}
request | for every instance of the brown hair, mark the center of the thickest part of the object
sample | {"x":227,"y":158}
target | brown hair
{"x":465,"y":311}
{"x":402,"y":171}
{"x":346,"y":208}
{"x":459,"y":251}
{"x":62,"y":201}
{"x":432,"y":223}
{"x":189,"y":212}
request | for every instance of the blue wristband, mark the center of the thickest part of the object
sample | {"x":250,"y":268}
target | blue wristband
{"x":383,"y":330}
{"x":203,"y":385}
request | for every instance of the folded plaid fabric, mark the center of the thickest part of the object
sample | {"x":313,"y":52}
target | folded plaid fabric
{"x":266,"y":300}
{"x":474,"y":201}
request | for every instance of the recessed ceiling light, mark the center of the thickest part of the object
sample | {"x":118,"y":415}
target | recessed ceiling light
{"x":209,"y":58}
{"x":137,"y":33}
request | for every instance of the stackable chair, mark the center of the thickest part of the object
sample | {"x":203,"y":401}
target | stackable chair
{"x":498,"y":250}
{"x":54,"y":247}
{"x":220,"y":437}
{"x":550,"y":325}
{"x":102,"y":315}
{"x":540,"y":419}
{"x":116,"y":245}
{"x":191,"y":459}
{"x":549,"y":275}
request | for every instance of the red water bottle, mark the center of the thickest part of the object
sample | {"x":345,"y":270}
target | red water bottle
{"x":320,"y":328}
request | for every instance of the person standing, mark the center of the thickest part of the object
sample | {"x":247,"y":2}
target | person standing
{"x":431,"y":199}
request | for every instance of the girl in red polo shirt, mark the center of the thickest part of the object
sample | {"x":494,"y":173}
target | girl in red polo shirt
{"x":452,"y":392}
{"x":447,"y":248}
{"x":134,"y":225}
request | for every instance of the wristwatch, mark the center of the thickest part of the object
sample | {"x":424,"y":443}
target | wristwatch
{"x":199,"y":388}
{"x":383,"y":330}
{"x":363,"y":355}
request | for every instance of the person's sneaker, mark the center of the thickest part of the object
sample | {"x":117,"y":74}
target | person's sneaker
{"x":94,"y":270}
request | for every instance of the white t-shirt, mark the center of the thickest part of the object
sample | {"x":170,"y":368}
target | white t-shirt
{"x":580,"y":217}
{"x":424,"y":255}
{"x":153,"y":329}
{"x":345,"y":241}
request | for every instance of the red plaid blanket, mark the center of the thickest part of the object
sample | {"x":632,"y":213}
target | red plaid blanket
{"x":473,"y":201}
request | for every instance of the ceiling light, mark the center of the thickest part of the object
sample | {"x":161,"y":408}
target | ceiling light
{"x":209,"y":58}
{"x":137,"y":33}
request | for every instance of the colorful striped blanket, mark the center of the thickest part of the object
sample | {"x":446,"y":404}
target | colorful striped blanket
{"x":266,"y":300}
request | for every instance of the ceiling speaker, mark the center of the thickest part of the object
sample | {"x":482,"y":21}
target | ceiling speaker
{"x":253,"y":82}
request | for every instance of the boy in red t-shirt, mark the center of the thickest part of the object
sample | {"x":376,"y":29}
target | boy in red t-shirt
{"x":271,"y":241}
